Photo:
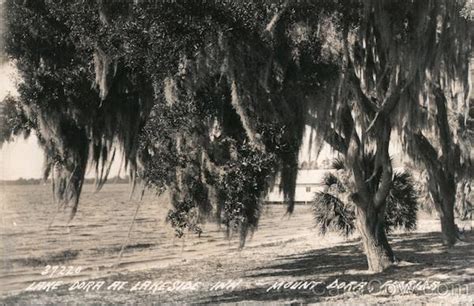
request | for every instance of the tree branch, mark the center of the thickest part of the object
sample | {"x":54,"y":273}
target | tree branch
{"x":428,"y":155}
{"x":383,"y":160}
{"x":369,"y":107}
{"x":271,"y":25}
{"x":353,"y":159}
{"x":445,"y":137}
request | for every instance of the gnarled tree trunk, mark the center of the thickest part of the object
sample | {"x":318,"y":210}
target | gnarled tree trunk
{"x":441,"y":169}
{"x":449,"y":229}
{"x":444,"y":198}
{"x":371,"y":191}
{"x":463,"y":206}
{"x":370,"y":223}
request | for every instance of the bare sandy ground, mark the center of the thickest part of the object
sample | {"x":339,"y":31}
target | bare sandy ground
{"x":284,"y":250}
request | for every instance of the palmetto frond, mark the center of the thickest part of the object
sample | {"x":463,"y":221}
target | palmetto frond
{"x":402,"y":203}
{"x":333,"y":213}
{"x":338,"y":164}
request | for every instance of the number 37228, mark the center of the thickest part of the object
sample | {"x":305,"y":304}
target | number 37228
{"x":60,"y":270}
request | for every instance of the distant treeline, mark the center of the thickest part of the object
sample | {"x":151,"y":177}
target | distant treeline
{"x":32,"y":181}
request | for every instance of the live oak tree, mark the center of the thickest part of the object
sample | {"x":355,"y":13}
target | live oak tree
{"x":419,"y":49}
{"x":54,"y":92}
{"x":57,"y":99}
{"x":384,"y":55}
{"x":189,"y":73}
{"x":435,"y":127}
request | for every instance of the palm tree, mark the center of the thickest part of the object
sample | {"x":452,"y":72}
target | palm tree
{"x":334,"y":210}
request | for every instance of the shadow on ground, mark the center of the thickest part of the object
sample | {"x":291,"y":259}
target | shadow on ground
{"x":422,"y":257}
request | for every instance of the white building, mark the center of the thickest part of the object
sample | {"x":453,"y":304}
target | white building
{"x":307,"y":183}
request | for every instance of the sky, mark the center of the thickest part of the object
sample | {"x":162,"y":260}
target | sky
{"x":22,"y":157}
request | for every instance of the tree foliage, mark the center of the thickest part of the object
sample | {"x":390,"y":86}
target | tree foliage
{"x":13,"y":120}
{"x":206,"y":100}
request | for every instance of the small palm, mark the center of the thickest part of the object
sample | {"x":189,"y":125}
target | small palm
{"x":334,"y":210}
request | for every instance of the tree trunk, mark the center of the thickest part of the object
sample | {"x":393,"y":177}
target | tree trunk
{"x":370,"y":224}
{"x":444,"y":198}
{"x":372,"y":186}
{"x":442,"y":169}
{"x":448,"y":228}
{"x":382,"y":237}
{"x":445,"y":208}
{"x":463,"y":206}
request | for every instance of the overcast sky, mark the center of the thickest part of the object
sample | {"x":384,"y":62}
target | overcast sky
{"x":21,"y":158}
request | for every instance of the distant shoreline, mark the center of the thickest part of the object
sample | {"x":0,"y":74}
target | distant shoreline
{"x":32,"y":181}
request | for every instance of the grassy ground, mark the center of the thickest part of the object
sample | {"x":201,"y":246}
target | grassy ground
{"x":260,"y":267}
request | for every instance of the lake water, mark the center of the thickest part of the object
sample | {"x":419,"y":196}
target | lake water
{"x":94,"y":238}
